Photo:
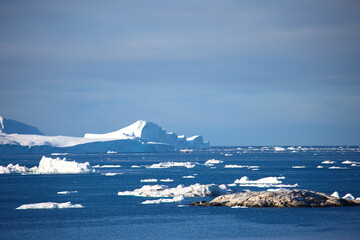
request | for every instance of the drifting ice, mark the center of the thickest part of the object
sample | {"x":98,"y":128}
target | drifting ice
{"x":49,"y":205}
{"x":54,"y":166}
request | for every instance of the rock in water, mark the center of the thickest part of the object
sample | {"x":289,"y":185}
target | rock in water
{"x":285,"y":198}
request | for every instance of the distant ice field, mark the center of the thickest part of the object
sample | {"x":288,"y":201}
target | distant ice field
{"x":107,"y":215}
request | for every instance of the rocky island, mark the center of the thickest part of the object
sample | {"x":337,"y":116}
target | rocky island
{"x":281,"y":199}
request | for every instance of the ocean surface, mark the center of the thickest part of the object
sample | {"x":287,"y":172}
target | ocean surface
{"x":108,"y":216}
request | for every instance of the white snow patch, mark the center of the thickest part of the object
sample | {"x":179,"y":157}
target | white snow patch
{"x":349,"y":196}
{"x":50,"y":205}
{"x":335,"y":194}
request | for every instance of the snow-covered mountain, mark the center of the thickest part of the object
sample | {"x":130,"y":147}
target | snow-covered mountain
{"x":151,"y":132}
{"x":10,"y":126}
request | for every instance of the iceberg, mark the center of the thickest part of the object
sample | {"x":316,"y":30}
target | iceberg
{"x":67,"y":192}
{"x":335,"y":194}
{"x":263,"y":182}
{"x":189,"y":191}
{"x":211,"y":162}
{"x":49,"y":205}
{"x":298,"y":167}
{"x":151,"y":132}
{"x":349,"y":196}
{"x":10,"y":168}
{"x":327,"y":162}
{"x":172,"y":164}
{"x":164,"y":200}
{"x":107,"y":166}
{"x":61,"y":166}
{"x":149,"y":180}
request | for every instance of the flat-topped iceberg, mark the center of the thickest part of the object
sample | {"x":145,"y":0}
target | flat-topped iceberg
{"x":189,"y":191}
{"x":151,"y":132}
{"x":263,"y":182}
{"x":49,"y":205}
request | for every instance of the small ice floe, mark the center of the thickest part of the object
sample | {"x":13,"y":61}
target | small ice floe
{"x":350,"y":162}
{"x":327,"y":162}
{"x":241,"y":166}
{"x":107,"y":166}
{"x":166,"y":180}
{"x":67,"y":192}
{"x":298,"y":167}
{"x":136,"y":166}
{"x":228,"y":154}
{"x":111,"y":152}
{"x":189,"y":191}
{"x":164,"y":200}
{"x":111,"y":174}
{"x":211,"y":162}
{"x":58,"y":154}
{"x":320,"y":166}
{"x":334,"y":167}
{"x":49,"y":205}
{"x":349,"y":196}
{"x":172,"y":164}
{"x":279,"y":149}
{"x":335,"y":194}
{"x":262,"y":182}
{"x":190,"y":176}
{"x":149,"y":180}
{"x":355,"y":165}
{"x":186,"y":150}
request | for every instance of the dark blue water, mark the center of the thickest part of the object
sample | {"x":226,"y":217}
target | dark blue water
{"x":108,"y":216}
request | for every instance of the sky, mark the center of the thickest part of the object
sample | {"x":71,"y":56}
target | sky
{"x":237,"y":72}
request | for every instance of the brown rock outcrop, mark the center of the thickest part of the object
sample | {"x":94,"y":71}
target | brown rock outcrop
{"x":284,"y":198}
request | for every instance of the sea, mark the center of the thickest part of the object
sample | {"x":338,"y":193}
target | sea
{"x":106,"y":215}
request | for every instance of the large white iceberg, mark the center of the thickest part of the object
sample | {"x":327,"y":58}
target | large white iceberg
{"x":49,"y":205}
{"x":151,"y":132}
{"x":189,"y":191}
{"x":49,"y":165}
{"x":55,"y":166}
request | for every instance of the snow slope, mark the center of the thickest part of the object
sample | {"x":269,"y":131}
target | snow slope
{"x":152,"y":132}
{"x":10,"y":126}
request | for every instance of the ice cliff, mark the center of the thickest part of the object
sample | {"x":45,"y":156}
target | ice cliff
{"x":151,"y":132}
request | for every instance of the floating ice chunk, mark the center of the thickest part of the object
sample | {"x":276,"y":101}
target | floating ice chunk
{"x":262,"y":182}
{"x":50,"y":205}
{"x":111,"y":152}
{"x":234,"y":166}
{"x":61,"y":166}
{"x":327,"y":162}
{"x":58,"y":154}
{"x":334,"y":167}
{"x":107,"y":166}
{"x":279,"y":149}
{"x":110,"y":174}
{"x":172,"y":164}
{"x":228,"y":154}
{"x":211,"y":162}
{"x":335,"y":194}
{"x":135,"y":166}
{"x":320,"y":166}
{"x":190,"y":191}
{"x":164,"y":200}
{"x":190,"y":176}
{"x":10,"y":168}
{"x":355,"y":165}
{"x":166,"y":180}
{"x":298,"y":167}
{"x":281,"y":177}
{"x":149,"y":180}
{"x":67,"y":192}
{"x":348,"y":196}
{"x":350,"y":162}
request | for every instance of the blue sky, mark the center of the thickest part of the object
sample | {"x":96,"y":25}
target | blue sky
{"x":237,"y":72}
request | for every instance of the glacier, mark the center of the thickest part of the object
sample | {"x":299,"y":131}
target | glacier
{"x":141,"y":136}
